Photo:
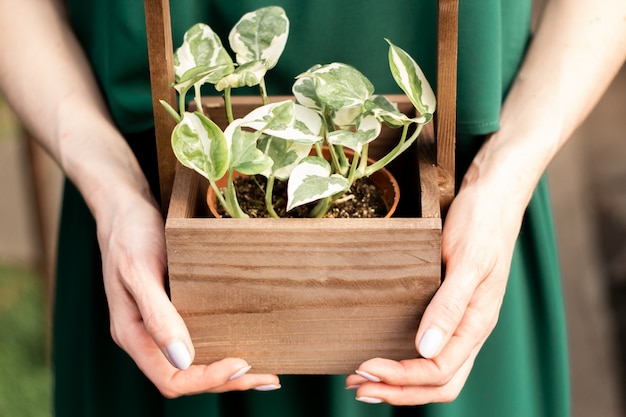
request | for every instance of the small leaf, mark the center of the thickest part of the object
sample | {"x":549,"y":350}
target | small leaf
{"x":368,"y":130}
{"x":311,"y":181}
{"x":387,"y":112}
{"x":199,"y":144}
{"x":260,"y":35}
{"x":411,"y":79}
{"x":246,"y":158}
{"x":246,"y":75}
{"x":201,"y":48}
{"x":286,"y":155}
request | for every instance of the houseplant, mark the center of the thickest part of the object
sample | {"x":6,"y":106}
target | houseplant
{"x":335,"y":107}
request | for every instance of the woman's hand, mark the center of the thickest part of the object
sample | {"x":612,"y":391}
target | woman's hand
{"x":477,"y":245}
{"x":144,"y":323}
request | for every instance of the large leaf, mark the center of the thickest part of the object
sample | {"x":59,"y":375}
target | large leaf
{"x":411,"y":79}
{"x":199,"y":144}
{"x":260,"y":36}
{"x":246,"y":158}
{"x":339,"y":85}
{"x":201,"y":48}
{"x":311,"y":180}
{"x":286,"y":120}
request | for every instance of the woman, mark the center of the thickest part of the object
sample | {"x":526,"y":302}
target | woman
{"x":79,"y":83}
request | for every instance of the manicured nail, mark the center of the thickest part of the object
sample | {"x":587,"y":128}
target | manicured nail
{"x":240,"y":372}
{"x":369,"y":400}
{"x":368,"y":376}
{"x":352,"y":387}
{"x":431,"y":343}
{"x":270,"y":387}
{"x":179,"y":355}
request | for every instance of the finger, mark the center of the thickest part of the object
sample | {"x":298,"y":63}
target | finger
{"x":372,"y":392}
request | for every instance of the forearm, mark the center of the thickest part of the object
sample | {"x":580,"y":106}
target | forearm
{"x":47,"y":79}
{"x":577,"y":50}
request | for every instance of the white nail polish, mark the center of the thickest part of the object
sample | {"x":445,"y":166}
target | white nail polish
{"x":179,"y":355}
{"x":368,"y":376}
{"x":431,"y":343}
{"x":369,"y":400}
{"x":270,"y":387}
{"x":240,"y":372}
{"x":352,"y":387}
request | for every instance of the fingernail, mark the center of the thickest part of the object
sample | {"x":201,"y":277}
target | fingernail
{"x":179,"y":355}
{"x":352,"y":387}
{"x":368,"y":376}
{"x":270,"y":387}
{"x":431,"y":343}
{"x":240,"y":372}
{"x":369,"y":400}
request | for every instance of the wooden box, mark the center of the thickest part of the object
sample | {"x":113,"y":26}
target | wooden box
{"x":306,"y":296}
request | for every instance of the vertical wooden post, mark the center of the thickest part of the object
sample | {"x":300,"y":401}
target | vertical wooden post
{"x":160,"y":53}
{"x":447,"y":52}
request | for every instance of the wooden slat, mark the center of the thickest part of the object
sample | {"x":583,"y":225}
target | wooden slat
{"x":303,"y":295}
{"x":447,"y":51}
{"x":160,"y":55}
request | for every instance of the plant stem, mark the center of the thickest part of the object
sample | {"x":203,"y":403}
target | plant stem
{"x":228,"y":105}
{"x":263,"y":90}
{"x":321,"y":208}
{"x":232,"y":206}
{"x":269,"y":191}
{"x":400,"y":147}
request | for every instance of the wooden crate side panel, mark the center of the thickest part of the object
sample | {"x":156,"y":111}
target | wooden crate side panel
{"x":285,"y":295}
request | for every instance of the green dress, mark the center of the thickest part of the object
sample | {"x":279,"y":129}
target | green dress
{"x":522,"y":369}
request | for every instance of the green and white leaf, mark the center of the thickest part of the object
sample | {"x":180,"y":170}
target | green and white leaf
{"x":339,"y":85}
{"x":386,"y":111}
{"x":246,"y":75}
{"x":201,"y":48}
{"x":304,"y":90}
{"x":200,"y":144}
{"x":347,"y":116}
{"x":286,"y":120}
{"x":368,"y":130}
{"x":411,"y":79}
{"x":286,"y":155}
{"x":260,"y":35}
{"x":311,"y":180}
{"x":246,"y":158}
{"x":196,"y":77}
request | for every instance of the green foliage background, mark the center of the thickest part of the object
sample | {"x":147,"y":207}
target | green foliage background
{"x":25,"y":372}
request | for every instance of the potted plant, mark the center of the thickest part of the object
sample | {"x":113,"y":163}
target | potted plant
{"x":297,"y":295}
{"x":335,"y":108}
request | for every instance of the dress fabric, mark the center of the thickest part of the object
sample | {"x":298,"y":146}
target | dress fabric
{"x":522,"y":369}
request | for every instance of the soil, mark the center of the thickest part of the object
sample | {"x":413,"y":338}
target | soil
{"x":363,"y":200}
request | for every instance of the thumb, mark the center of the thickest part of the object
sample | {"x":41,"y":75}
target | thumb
{"x":167,"y":328}
{"x":442,"y":317}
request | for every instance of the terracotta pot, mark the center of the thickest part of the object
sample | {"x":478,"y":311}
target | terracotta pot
{"x":383,"y":179}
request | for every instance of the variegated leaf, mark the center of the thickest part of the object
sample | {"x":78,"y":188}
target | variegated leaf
{"x":201,"y":48}
{"x":246,"y":158}
{"x":368,"y":130}
{"x":260,"y":35}
{"x":199,"y":144}
{"x":286,"y":155}
{"x":339,"y":85}
{"x":286,"y":120}
{"x":311,"y":180}
{"x":246,"y":75}
{"x":411,"y":79}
